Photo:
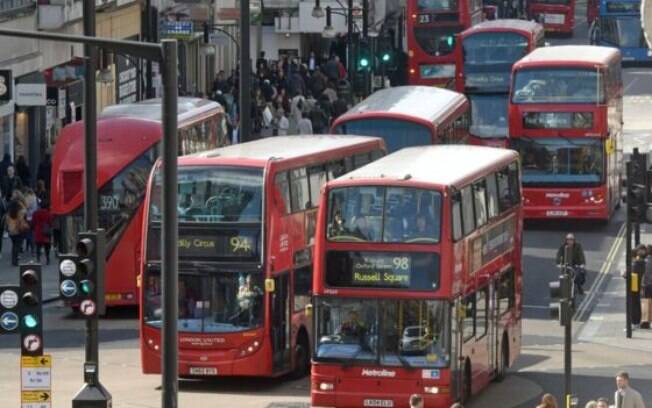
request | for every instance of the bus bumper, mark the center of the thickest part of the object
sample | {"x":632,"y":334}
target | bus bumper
{"x":580,"y":212}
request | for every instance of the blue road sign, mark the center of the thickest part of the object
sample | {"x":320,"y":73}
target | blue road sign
{"x":68,"y":288}
{"x":9,"y":321}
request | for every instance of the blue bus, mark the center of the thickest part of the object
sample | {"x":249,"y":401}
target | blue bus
{"x":619,"y":26}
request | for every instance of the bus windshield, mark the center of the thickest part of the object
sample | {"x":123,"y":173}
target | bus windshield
{"x":396,"y":133}
{"x":557,"y":85}
{"x":214,"y":194}
{"x":488,"y":58}
{"x":119,"y":200}
{"x":561,"y":161}
{"x":436,"y":41}
{"x":215,"y":302}
{"x":622,"y":31}
{"x":437,"y":5}
{"x":384,"y":214}
{"x":395,"y":333}
{"x":489,"y":115}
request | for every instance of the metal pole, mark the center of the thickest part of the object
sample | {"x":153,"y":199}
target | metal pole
{"x":90,"y":168}
{"x":349,"y":41}
{"x":568,"y":332}
{"x":628,"y":257}
{"x":637,"y":234}
{"x":169,"y":226}
{"x":245,"y":73}
{"x":149,"y":37}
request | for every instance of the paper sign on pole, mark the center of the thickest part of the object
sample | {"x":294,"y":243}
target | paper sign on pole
{"x":36,"y":381}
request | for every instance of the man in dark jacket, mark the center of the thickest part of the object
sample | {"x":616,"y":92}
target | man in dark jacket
{"x":4,"y":164}
{"x":577,"y":260}
{"x":44,"y":171}
{"x":10,"y":183}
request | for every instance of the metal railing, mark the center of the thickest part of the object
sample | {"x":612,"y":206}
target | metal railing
{"x":15,"y":6}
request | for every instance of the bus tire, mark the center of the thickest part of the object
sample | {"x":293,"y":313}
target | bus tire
{"x":466,"y":383}
{"x":503,"y":360}
{"x":302,"y":356}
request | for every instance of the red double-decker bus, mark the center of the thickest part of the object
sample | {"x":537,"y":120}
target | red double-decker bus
{"x":128,"y":137}
{"x":247,"y":217}
{"x":431,"y":26}
{"x":409,"y":116}
{"x":485,"y":55}
{"x":418,"y":278}
{"x":555,"y":15}
{"x":566,"y":119}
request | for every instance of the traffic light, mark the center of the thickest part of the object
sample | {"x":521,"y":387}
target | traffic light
{"x":561,"y":299}
{"x":81,"y":275}
{"x":30,"y":310}
{"x":364,"y":57}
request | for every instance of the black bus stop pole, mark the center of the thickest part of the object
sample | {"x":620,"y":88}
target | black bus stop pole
{"x":169,"y":265}
{"x":628,"y":256}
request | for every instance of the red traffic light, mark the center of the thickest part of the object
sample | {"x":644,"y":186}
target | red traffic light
{"x":29,"y":277}
{"x":85,"y":247}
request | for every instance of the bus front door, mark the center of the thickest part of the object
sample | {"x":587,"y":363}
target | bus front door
{"x":280,"y":323}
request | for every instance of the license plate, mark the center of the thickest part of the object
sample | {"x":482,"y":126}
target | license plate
{"x":557,"y":213}
{"x":377,"y":403}
{"x":554,"y":18}
{"x":203,"y":371}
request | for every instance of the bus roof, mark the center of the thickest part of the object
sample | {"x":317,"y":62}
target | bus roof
{"x":584,"y":55}
{"x":150,"y":109}
{"x":443,"y":165}
{"x":523,"y":26}
{"x":281,"y":147}
{"x":427,"y":103}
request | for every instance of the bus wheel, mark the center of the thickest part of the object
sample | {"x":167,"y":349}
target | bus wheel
{"x":466,"y":383}
{"x":503,"y":361}
{"x":302,"y":356}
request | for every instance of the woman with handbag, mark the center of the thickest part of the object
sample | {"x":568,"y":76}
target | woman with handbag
{"x":42,"y":223}
{"x":17,"y":227}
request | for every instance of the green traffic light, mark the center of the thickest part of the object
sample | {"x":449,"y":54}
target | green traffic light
{"x":450,"y":41}
{"x":30,"y":321}
{"x":364,"y":63}
{"x":86,"y":287}
{"x":386,"y":57}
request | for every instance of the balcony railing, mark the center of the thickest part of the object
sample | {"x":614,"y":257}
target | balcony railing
{"x":15,"y":6}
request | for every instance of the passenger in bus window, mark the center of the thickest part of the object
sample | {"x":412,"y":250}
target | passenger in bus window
{"x":248,"y":297}
{"x":362,"y":229}
{"x":424,"y":226}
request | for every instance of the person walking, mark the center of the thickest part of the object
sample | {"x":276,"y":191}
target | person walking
{"x":602,"y":403}
{"x":4,"y":165}
{"x":42,"y":225}
{"x":45,"y":171}
{"x":646,"y":291}
{"x":31,"y":206}
{"x":625,"y":396}
{"x":10,"y":183}
{"x":548,"y":401}
{"x":282,"y":123}
{"x":23,"y":171}
{"x":591,"y":404}
{"x":576,"y":261}
{"x":16,"y":226}
{"x":305,"y":125}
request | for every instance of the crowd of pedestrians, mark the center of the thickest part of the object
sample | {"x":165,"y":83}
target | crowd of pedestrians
{"x":289,"y":96}
{"x":25,"y":217}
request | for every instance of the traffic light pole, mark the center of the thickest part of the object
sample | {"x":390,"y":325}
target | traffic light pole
{"x":244,"y":129}
{"x":628,"y":256}
{"x":568,"y":333}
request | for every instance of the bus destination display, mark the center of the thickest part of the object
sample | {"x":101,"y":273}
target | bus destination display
{"x":389,"y":270}
{"x":383,"y":270}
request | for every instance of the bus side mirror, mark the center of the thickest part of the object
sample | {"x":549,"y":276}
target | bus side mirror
{"x":270,"y":285}
{"x":308,"y":310}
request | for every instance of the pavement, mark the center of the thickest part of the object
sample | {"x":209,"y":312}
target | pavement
{"x":50,"y":276}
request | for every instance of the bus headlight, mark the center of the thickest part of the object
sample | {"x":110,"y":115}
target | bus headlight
{"x":431,"y":390}
{"x":250,"y":348}
{"x":326,"y":386}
